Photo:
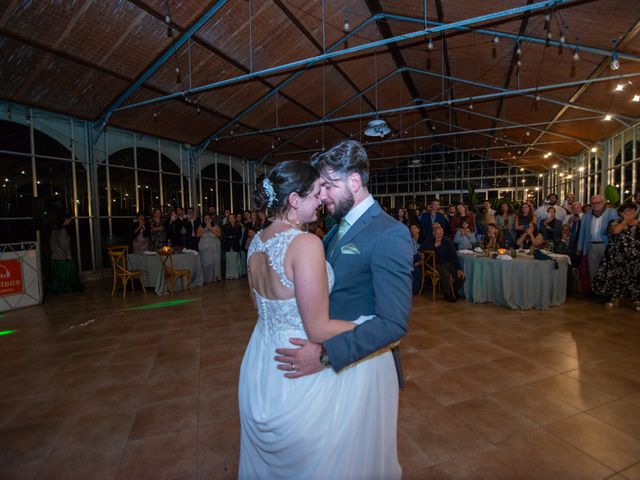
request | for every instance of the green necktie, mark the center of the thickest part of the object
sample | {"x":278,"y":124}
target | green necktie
{"x":344,"y":226}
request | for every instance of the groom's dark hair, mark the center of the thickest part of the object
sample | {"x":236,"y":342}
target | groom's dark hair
{"x":346,"y":157}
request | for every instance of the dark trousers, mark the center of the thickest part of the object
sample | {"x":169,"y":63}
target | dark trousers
{"x":450,"y":283}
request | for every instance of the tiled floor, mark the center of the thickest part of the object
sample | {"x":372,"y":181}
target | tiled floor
{"x":93,"y":388}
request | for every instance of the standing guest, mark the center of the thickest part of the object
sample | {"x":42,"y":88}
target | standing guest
{"x":552,"y":201}
{"x":593,"y":238}
{"x":618,"y":275}
{"x":174,"y":228}
{"x":209,"y":244}
{"x":636,"y":199}
{"x":573,"y":222}
{"x":447,"y":263}
{"x":243,"y":241}
{"x":524,"y":217}
{"x":401,"y":216}
{"x":530,"y":238}
{"x":232,"y":233}
{"x":492,"y":238}
{"x":427,"y":219}
{"x":489,"y":212}
{"x":465,"y":238}
{"x":63,"y":268}
{"x":190,"y":227}
{"x":551,"y":227}
{"x":247,"y":222}
{"x":262,"y":221}
{"x":465,"y":214}
{"x":225,"y":216}
{"x":506,"y":223}
{"x":569,"y":200}
{"x":140,"y":234}
{"x":158,"y":231}
{"x":453,"y":220}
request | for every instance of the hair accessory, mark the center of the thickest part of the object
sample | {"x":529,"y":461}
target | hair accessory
{"x":268,"y":188}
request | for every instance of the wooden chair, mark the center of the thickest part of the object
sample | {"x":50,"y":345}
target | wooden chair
{"x":429,"y":271}
{"x":121,"y":272}
{"x":172,"y":273}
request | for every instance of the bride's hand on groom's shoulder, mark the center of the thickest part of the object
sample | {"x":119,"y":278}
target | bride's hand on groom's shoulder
{"x":298,"y":362}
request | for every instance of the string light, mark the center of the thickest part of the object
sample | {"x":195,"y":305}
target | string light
{"x":430,"y":44}
{"x":619,"y":87}
{"x":615,"y":63}
{"x":594,"y":149}
{"x":636,"y":98}
{"x":496,"y":40}
{"x":576,"y":55}
{"x":346,"y":26}
{"x":608,"y":117}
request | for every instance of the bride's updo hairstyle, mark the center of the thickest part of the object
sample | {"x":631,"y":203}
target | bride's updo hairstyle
{"x":286,"y":178}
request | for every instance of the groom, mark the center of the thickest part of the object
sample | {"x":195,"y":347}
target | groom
{"x":372,"y":258}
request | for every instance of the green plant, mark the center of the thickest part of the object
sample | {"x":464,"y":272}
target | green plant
{"x":473,"y":198}
{"x":612,"y":195}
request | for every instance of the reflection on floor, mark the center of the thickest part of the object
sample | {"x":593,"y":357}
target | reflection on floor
{"x":91,"y":387}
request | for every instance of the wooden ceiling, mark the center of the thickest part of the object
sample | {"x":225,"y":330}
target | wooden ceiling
{"x":495,"y":86}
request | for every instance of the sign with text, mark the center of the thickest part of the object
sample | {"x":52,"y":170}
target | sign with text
{"x":10,"y":277}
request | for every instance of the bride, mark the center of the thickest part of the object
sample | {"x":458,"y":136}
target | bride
{"x":322,"y":426}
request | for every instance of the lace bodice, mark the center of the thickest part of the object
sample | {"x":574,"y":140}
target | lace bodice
{"x":279,"y":320}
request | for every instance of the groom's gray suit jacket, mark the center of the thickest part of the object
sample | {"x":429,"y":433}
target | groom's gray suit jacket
{"x":373,"y":264}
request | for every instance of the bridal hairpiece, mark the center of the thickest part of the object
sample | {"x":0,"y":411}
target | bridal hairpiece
{"x":268,"y":188}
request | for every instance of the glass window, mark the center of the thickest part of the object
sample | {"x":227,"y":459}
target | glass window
{"x":148,"y":190}
{"x":16,"y":189}
{"x":123,"y":191}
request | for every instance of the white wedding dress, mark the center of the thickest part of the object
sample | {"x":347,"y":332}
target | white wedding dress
{"x":325,"y":426}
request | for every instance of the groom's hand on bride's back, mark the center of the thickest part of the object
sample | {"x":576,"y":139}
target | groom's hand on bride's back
{"x":298,"y":362}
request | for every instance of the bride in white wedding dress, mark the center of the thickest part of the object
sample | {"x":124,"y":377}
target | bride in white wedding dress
{"x":323,"y":426}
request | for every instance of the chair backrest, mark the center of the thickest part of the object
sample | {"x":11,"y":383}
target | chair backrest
{"x":430,"y":263}
{"x":167,"y":262}
{"x":118,"y":261}
{"x":116,"y":248}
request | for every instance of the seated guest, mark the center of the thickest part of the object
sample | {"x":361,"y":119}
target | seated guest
{"x":447,"y":263}
{"x":416,"y":240}
{"x":530,"y":238}
{"x":618,"y":275}
{"x":492,"y":238}
{"x":563,"y":245}
{"x":551,"y":227}
{"x":464,"y":238}
{"x":401,"y":215}
{"x":140,"y":234}
{"x":506,"y":223}
{"x":524,"y":217}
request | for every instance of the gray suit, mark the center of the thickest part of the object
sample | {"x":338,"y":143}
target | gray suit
{"x":373,"y":265}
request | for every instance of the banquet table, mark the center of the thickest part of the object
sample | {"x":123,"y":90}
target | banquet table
{"x":151,"y":267}
{"x":519,"y":283}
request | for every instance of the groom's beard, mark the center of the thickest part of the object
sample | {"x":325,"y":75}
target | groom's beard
{"x":343,"y":207}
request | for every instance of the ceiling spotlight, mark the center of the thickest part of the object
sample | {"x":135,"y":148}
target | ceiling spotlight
{"x":608,"y":117}
{"x":561,"y":174}
{"x":429,"y":44}
{"x":581,"y":169}
{"x":537,"y":189}
{"x":346,"y":26}
{"x":619,"y":88}
{"x":555,"y":165}
{"x":523,"y":180}
{"x":615,"y":63}
{"x":576,"y":55}
{"x":636,"y":98}
{"x":540,"y":175}
{"x":594,"y":149}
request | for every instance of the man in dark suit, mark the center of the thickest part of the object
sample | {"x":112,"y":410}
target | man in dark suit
{"x":372,"y":257}
{"x":428,"y":218}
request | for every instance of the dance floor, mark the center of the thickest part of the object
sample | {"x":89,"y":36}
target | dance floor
{"x":95,"y":387}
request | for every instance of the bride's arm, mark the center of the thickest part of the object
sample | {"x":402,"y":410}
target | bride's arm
{"x":306,"y":257}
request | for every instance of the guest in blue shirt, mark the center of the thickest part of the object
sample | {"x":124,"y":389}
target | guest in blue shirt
{"x":428,"y":218}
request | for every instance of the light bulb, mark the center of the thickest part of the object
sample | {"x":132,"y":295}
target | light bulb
{"x":430,"y":44}
{"x":581,"y":169}
{"x":346,"y":26}
{"x":518,"y":50}
{"x":607,"y":117}
{"x":619,"y":88}
{"x":615,"y":63}
{"x":636,"y":98}
{"x":563,"y":39}
{"x":576,"y":55}
{"x":594,"y":149}
{"x":496,"y":40}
